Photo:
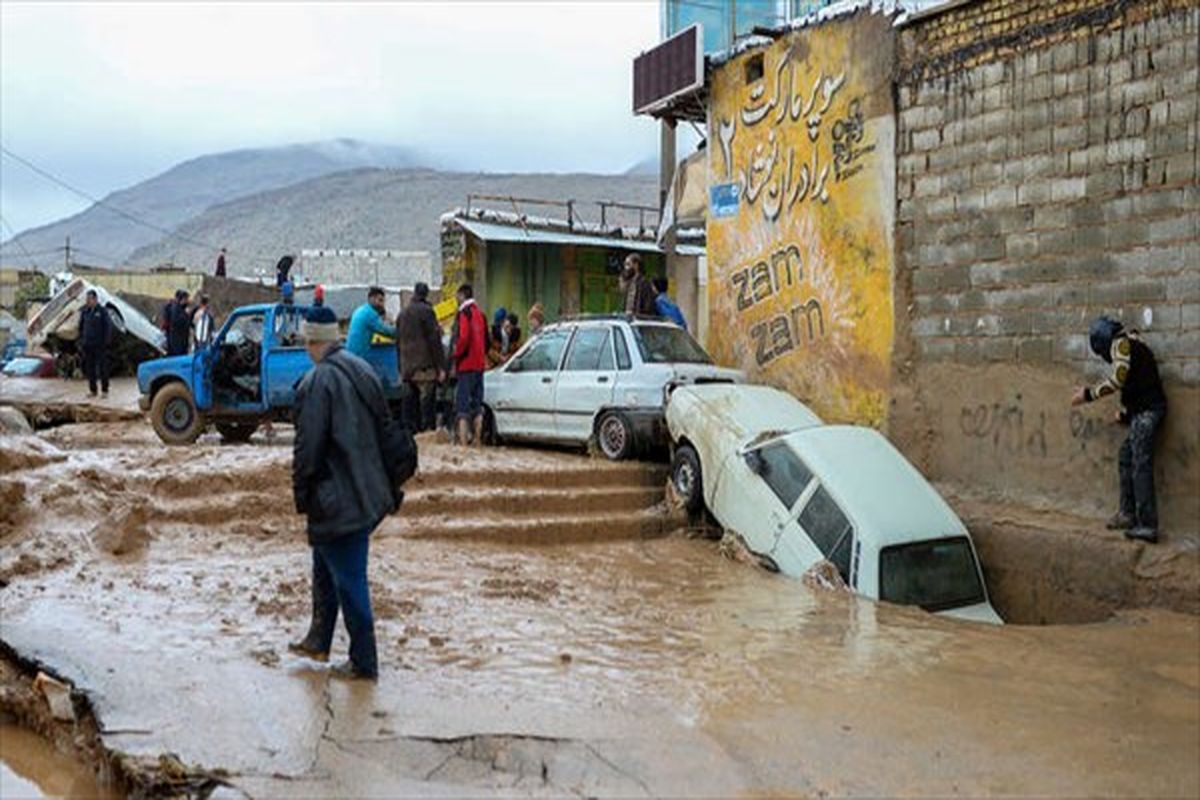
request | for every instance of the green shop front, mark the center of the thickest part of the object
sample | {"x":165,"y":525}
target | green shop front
{"x":513,"y":267}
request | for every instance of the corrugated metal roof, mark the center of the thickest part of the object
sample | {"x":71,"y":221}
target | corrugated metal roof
{"x":491,"y":232}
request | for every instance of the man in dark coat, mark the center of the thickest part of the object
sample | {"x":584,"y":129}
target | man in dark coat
{"x":422,"y":358}
{"x":340,"y":483}
{"x":177,"y":324}
{"x":635,"y":286}
{"x":220,"y":273}
{"x":95,"y":335}
{"x":1143,"y":407}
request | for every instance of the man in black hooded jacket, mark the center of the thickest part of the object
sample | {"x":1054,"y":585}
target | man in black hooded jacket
{"x":1143,"y":408}
{"x":341,"y":484}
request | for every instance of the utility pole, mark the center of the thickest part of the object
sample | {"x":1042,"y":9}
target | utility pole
{"x":67,"y":255}
{"x":666,"y":176}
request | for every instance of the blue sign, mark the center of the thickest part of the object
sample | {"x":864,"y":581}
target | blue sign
{"x":723,"y":200}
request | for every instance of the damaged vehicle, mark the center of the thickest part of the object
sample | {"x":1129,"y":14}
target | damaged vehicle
{"x":798,"y":492}
{"x":55,"y":329}
{"x":603,"y":378}
{"x":246,"y":375}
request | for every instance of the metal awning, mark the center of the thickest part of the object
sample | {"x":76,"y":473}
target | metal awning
{"x":492,"y":232}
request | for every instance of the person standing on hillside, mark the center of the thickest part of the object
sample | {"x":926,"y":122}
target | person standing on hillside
{"x":1143,"y":408}
{"x":422,"y":358}
{"x":340,"y":483}
{"x":366,"y":321}
{"x":220,"y":273}
{"x":95,"y":335}
{"x":470,"y":360}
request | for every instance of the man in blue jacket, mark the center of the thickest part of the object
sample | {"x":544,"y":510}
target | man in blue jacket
{"x":665,"y":305}
{"x":95,"y":335}
{"x":366,"y":321}
{"x":340,"y":483}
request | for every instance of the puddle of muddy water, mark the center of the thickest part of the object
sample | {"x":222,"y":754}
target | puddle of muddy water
{"x":798,"y":690}
{"x":30,"y":767}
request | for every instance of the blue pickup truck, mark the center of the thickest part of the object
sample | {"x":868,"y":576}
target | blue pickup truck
{"x":246,"y":375}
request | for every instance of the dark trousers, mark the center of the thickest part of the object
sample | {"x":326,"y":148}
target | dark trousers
{"x":1136,"y":467}
{"x":339,"y":581}
{"x":95,"y":367}
{"x":421,"y":405}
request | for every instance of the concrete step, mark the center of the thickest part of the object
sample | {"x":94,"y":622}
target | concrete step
{"x":584,"y":474}
{"x":471,"y":501}
{"x":547,"y":529}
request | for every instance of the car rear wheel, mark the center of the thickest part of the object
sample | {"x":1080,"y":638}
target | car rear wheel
{"x":686,"y":478}
{"x":614,"y":435}
{"x":174,"y":415}
{"x":236,"y":432}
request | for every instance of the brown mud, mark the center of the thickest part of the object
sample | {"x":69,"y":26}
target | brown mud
{"x":534,"y":645}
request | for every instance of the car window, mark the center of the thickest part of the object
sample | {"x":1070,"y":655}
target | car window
{"x":544,"y":353}
{"x":778,"y":465}
{"x":591,"y":350}
{"x":829,"y":530}
{"x":623,"y":360}
{"x":936,"y":574}
{"x":668,"y":344}
{"x":248,"y":327}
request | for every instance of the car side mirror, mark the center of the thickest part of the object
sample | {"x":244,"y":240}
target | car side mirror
{"x":514,"y":366}
{"x":755,"y":462}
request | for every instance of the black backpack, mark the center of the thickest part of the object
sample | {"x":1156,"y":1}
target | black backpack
{"x":397,"y":447}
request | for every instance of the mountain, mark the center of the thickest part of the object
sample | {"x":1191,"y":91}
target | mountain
{"x":187,"y":189}
{"x":647,"y":166}
{"x":397,"y":209}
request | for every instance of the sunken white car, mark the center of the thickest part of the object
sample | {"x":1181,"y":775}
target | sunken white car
{"x":797,"y":491}
{"x":596,"y":378}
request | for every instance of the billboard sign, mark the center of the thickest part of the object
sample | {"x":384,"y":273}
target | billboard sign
{"x":672,"y":69}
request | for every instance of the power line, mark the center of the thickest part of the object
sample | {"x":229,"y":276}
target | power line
{"x":251,"y":256}
{"x":120,"y":212}
{"x":12,"y":237}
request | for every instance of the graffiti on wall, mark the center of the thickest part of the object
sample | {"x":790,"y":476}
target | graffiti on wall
{"x":800,"y":259}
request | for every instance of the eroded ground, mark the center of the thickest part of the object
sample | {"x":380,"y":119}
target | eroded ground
{"x":544,"y":629}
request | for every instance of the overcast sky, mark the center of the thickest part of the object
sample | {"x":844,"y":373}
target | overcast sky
{"x":108,"y":94}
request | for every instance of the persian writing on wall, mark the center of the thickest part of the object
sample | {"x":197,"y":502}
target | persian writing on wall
{"x":801,"y":161}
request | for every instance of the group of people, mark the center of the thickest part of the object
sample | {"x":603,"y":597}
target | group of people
{"x":645,"y":296}
{"x":427,"y":361}
{"x":187,"y":327}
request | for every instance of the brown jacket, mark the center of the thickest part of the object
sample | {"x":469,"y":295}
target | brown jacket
{"x":639,"y":296}
{"x":419,"y":339}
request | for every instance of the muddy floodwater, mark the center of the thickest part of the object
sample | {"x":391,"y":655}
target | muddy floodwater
{"x":31,"y":768}
{"x":545,"y":627}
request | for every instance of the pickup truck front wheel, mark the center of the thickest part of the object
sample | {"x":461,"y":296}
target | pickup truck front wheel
{"x":174,"y":415}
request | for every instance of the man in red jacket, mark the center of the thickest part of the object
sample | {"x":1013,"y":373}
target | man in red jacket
{"x":470,"y":360}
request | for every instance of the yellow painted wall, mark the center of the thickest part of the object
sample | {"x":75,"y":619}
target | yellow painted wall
{"x":800,"y":275}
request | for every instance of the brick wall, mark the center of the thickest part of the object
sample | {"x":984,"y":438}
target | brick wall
{"x":1047,"y":172}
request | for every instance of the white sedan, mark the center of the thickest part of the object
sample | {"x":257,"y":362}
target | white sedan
{"x":798,"y":491}
{"x":602,"y":378}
